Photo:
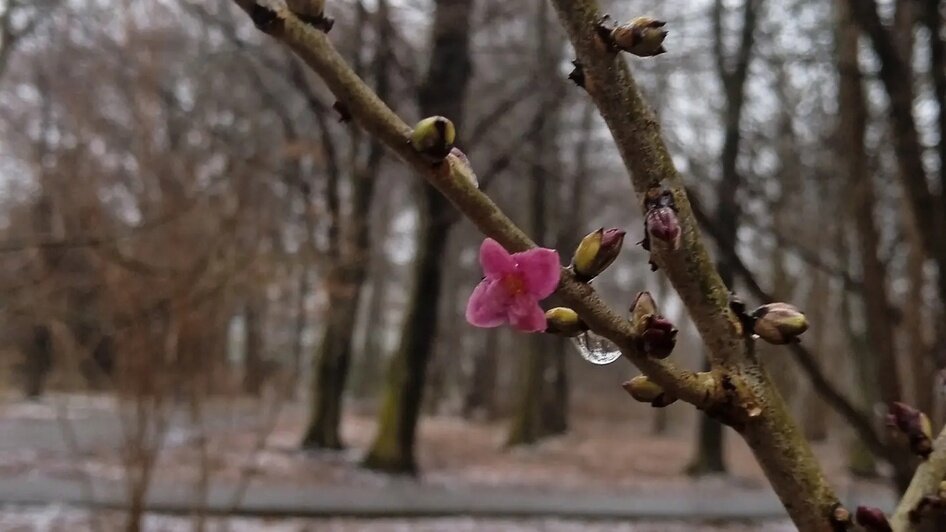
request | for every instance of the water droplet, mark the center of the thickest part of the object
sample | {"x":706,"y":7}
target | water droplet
{"x":596,"y":349}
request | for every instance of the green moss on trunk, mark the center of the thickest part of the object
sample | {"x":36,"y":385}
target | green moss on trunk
{"x":393,"y":447}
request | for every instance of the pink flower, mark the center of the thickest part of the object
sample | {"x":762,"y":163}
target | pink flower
{"x":513,"y":286}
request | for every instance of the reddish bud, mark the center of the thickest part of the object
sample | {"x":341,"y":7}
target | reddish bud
{"x":662,"y":224}
{"x":914,"y":424}
{"x":872,"y":519}
{"x":659,"y":337}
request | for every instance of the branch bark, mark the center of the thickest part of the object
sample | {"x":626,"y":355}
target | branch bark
{"x":784,"y":455}
{"x":925,"y":482}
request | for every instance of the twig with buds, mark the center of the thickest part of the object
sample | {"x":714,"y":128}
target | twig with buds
{"x":927,"y":481}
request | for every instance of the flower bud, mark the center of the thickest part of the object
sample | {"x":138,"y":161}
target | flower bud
{"x":915,"y":425}
{"x":656,"y":334}
{"x":462,"y":164}
{"x":641,"y":36}
{"x":662,"y":224}
{"x":433,"y":138}
{"x":645,"y":390}
{"x":872,"y":519}
{"x":779,"y":323}
{"x":596,"y":252}
{"x":643,"y":307}
{"x":564,"y":321}
{"x":659,"y":337}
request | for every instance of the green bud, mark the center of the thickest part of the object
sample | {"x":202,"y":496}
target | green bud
{"x":596,"y":252}
{"x":779,"y":323}
{"x":433,"y":137}
{"x":645,"y":390}
{"x":564,"y":321}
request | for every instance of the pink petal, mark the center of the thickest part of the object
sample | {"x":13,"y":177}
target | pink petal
{"x":495,"y":260}
{"x":526,"y":315}
{"x":540,"y":269}
{"x":488,"y":304}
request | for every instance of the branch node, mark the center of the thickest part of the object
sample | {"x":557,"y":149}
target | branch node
{"x":603,"y":29}
{"x":841,"y":518}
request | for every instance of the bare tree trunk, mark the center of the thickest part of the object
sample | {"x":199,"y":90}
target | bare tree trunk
{"x":301,"y":320}
{"x":709,"y":454}
{"x":346,"y":277}
{"x":38,"y":360}
{"x":442,"y":93}
{"x":541,"y":411}
{"x":253,"y":374}
{"x":393,"y":446}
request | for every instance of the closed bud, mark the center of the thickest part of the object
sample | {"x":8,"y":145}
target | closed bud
{"x":872,"y":519}
{"x":645,"y":390}
{"x":656,"y":334}
{"x":564,"y":321}
{"x":658,"y":338}
{"x":596,"y":252}
{"x":462,"y":164}
{"x":779,"y":323}
{"x":643,"y":307}
{"x":914,"y":424}
{"x":643,"y":36}
{"x":662,"y":224}
{"x":433,"y":137}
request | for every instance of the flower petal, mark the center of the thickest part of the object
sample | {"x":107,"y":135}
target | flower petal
{"x":540,"y":269}
{"x":488,"y":304}
{"x":526,"y":315}
{"x":495,"y":260}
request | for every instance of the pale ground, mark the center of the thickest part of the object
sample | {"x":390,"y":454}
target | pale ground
{"x":597,"y":454}
{"x":63,"y":519}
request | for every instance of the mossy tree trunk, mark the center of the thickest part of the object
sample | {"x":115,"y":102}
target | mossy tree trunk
{"x":540,"y":410}
{"x":442,"y":93}
{"x":349,"y":247}
{"x":393,"y":447}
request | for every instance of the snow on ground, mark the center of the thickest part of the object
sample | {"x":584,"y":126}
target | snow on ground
{"x":68,"y":519}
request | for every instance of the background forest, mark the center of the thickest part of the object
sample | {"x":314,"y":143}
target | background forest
{"x":209,"y":277}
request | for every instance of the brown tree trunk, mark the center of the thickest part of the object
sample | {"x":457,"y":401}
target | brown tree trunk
{"x":541,"y":407}
{"x":442,"y":93}
{"x":709,"y":453}
{"x":351,"y":252}
{"x":253,"y":374}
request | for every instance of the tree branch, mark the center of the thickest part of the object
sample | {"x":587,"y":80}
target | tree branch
{"x":780,"y":449}
{"x":453,"y":181}
{"x":925,"y":482}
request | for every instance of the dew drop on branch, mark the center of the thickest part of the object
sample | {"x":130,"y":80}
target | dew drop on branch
{"x":596,"y":349}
